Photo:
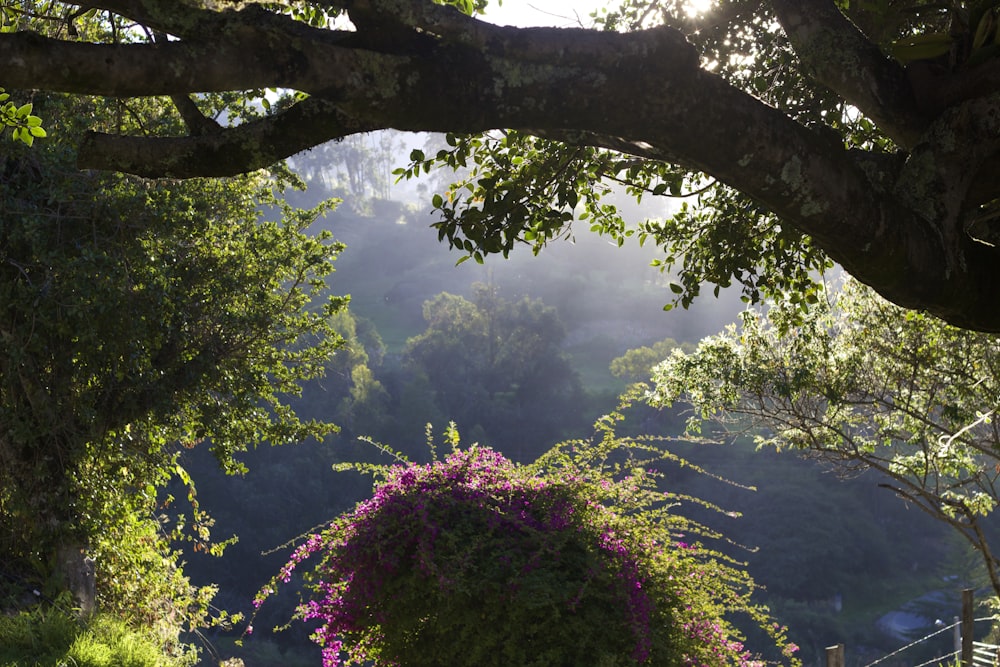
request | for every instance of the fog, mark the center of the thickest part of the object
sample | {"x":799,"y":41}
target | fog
{"x":835,"y":555}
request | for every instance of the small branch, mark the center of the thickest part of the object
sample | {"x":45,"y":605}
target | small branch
{"x":617,"y":144}
{"x":197,"y":123}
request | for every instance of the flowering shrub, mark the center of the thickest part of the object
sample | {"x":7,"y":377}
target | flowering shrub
{"x":475,"y":560}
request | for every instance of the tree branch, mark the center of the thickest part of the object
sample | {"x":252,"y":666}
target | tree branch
{"x":246,"y":54}
{"x":561,"y":80}
{"x":416,"y":66}
{"x":440,"y":20}
{"x":841,"y":57}
{"x":131,"y":70}
{"x":938,"y":174}
{"x":228,"y":152}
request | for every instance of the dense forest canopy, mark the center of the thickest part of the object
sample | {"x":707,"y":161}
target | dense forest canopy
{"x":817,"y":130}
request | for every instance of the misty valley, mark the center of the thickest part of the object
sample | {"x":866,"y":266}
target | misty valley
{"x":519,"y":354}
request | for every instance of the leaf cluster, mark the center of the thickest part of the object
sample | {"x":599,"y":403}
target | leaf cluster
{"x":26,"y":127}
{"x":521,"y":190}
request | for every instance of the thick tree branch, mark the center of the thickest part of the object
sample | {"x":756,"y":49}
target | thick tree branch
{"x":550,"y":80}
{"x":195,"y":121}
{"x":417,"y":66}
{"x":131,"y":70}
{"x":439,"y":20}
{"x":192,"y":21}
{"x":841,"y":57}
{"x":253,"y":145}
{"x":937,"y":89}
{"x":939,"y":172}
{"x":246,"y":54}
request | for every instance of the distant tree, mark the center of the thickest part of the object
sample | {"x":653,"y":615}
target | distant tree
{"x":360,"y":165}
{"x":498,"y":364}
{"x":138,"y":319}
{"x":349,"y":390}
{"x":637,"y":364}
{"x":864,"y":384}
{"x":365,"y":410}
{"x":352,"y":353}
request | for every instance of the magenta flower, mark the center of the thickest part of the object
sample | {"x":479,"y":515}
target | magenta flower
{"x":477,"y":561}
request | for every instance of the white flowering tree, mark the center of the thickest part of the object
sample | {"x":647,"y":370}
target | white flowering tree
{"x":867,"y":385}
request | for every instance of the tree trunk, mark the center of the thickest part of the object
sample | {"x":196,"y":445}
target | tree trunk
{"x":76,"y":572}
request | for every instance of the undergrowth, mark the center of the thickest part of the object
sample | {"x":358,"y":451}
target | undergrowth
{"x":50,"y":637}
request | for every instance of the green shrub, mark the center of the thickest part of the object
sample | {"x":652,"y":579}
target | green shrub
{"x":477,"y":561}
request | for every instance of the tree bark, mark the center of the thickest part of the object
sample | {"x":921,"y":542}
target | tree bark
{"x":77,"y":572}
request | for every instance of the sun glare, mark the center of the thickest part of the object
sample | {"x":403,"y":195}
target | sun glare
{"x":695,"y":7}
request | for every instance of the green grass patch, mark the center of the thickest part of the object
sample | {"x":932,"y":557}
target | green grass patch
{"x":591,"y":359}
{"x":53,"y":638}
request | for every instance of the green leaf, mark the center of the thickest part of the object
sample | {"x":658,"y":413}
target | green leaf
{"x":921,"y":47}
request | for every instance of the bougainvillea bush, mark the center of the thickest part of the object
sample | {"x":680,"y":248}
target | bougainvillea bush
{"x":478,"y":561}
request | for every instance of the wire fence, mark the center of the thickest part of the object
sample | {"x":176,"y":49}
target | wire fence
{"x":985,"y":655}
{"x":899,"y":651}
{"x":977,"y":654}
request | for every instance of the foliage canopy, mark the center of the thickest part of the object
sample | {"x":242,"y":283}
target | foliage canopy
{"x":141,"y":318}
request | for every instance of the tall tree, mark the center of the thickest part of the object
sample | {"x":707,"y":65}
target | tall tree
{"x":864,"y":384}
{"x":814,"y":130}
{"x":138,"y":319}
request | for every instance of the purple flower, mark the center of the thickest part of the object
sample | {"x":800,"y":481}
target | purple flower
{"x":453,"y":548}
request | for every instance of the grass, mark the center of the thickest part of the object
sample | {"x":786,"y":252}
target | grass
{"x":591,"y":359}
{"x":53,"y":638}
